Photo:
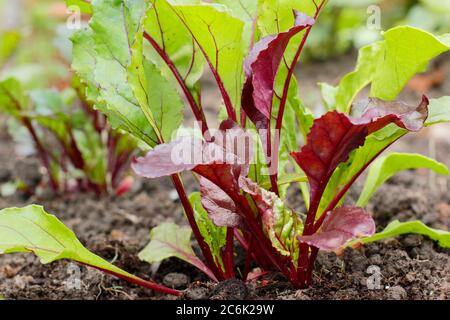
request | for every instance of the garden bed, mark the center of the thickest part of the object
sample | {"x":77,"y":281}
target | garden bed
{"x":117,"y":228}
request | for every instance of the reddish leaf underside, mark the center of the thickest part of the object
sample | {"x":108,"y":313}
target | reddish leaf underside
{"x":220,"y":207}
{"x":261,"y":67}
{"x":340,"y":226}
{"x":335,"y":135}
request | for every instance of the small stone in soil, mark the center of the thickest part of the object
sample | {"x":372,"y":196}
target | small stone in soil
{"x":376,"y":260}
{"x":397,"y":293}
{"x":196,"y":293}
{"x":411,"y":241}
{"x":232,"y":289}
{"x":176,"y":280}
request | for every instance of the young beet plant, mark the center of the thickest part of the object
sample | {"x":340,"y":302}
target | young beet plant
{"x":73,"y":142}
{"x":141,"y":61}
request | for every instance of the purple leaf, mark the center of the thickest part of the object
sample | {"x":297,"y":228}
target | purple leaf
{"x":231,"y":149}
{"x":261,"y":67}
{"x":340,"y":226}
{"x":168,"y":159}
{"x":220,"y":207}
{"x":335,"y":135}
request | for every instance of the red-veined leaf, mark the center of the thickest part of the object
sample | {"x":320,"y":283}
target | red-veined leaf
{"x":220,"y":207}
{"x":335,"y":135}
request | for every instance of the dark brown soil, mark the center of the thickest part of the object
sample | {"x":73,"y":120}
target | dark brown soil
{"x":409,"y":267}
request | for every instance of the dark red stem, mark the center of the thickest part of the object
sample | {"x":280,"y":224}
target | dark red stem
{"x":41,"y":152}
{"x":191,"y":218}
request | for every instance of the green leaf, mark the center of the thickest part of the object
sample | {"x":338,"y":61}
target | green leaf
{"x":49,"y":111}
{"x":245,"y":10}
{"x":164,"y":26}
{"x":83,"y":5}
{"x":13,"y":99}
{"x":389,"y":64}
{"x":219,"y":36}
{"x":407,"y":52}
{"x":355,"y":81}
{"x":438,"y":111}
{"x":169,"y":240}
{"x":9,"y":41}
{"x":31,"y":229}
{"x":214,"y":236}
{"x":385,"y":167}
{"x":102,"y":57}
{"x":396,"y":228}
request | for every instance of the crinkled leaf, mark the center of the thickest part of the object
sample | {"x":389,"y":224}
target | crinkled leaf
{"x":340,"y":226}
{"x":334,"y":136}
{"x":280,"y":224}
{"x":220,"y":207}
{"x":396,"y":228}
{"x":389,"y":64}
{"x":214,"y":236}
{"x":105,"y":58}
{"x":169,"y":240}
{"x":385,"y":167}
{"x":31,"y":229}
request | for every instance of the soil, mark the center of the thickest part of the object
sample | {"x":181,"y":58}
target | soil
{"x":117,"y":228}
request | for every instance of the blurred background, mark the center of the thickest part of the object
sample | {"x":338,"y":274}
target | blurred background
{"x":37,"y":34}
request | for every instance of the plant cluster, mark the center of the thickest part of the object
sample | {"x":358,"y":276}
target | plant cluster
{"x":141,"y":62}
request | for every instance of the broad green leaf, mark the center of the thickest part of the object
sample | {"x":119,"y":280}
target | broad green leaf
{"x":407,"y":52}
{"x":389,"y":64}
{"x":385,"y":167}
{"x":169,"y":240}
{"x":31,"y":229}
{"x":157,"y":97}
{"x":219,"y":36}
{"x":355,"y":81}
{"x":163,"y":25}
{"x":102,"y":57}
{"x":245,"y":10}
{"x":83,"y":5}
{"x":8,"y":43}
{"x":214,"y":236}
{"x":329,"y":94}
{"x":396,"y":228}
{"x":439,"y":111}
